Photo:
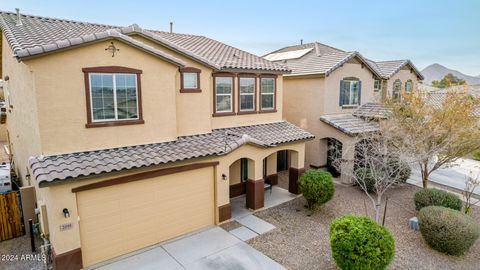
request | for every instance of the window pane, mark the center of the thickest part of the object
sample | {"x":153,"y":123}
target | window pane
{"x":267,"y":101}
{"x":102,"y":96}
{"x":268,"y":85}
{"x":247,"y":85}
{"x":223,"y":85}
{"x":126,"y":90}
{"x":246,"y":102}
{"x":190,"y":81}
{"x":224,"y":103}
{"x":354,"y":92}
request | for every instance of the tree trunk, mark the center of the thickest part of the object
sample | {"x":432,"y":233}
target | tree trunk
{"x":425,"y":174}
{"x":377,"y":209}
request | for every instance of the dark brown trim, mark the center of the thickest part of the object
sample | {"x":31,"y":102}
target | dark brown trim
{"x":190,"y":70}
{"x":215,"y":113}
{"x":238,"y":189}
{"x":114,"y":123}
{"x":255,"y":194}
{"x":260,"y":110}
{"x":144,"y":175}
{"x":293,"y":176}
{"x":224,"y":212}
{"x":272,"y":179}
{"x":68,"y":260}
{"x":239,"y":111}
{"x":112,"y":69}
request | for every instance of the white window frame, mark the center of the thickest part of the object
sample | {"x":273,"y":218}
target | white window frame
{"x":268,"y":94}
{"x":246,"y":94}
{"x":223,"y":94}
{"x":350,"y":90}
{"x":114,"y":85}
{"x":411,"y":86}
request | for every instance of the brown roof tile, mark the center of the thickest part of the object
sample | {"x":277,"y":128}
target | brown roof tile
{"x":46,"y":169}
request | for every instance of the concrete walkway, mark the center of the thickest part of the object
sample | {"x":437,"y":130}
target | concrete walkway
{"x":213,"y":248}
{"x":453,"y":177}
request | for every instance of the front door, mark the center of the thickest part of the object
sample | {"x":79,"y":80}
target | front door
{"x":334,"y":152}
{"x":282,"y":160}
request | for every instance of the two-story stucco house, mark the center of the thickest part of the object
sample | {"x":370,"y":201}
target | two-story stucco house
{"x":330,"y":92}
{"x":134,"y":136}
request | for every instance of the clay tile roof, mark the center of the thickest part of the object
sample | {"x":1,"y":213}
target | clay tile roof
{"x":350,"y":124}
{"x":46,"y":169}
{"x":388,"y":68}
{"x":372,"y":110}
{"x":38,"y":35}
{"x":322,"y":59}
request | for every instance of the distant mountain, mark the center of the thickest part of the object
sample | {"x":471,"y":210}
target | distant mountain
{"x":437,"y":72}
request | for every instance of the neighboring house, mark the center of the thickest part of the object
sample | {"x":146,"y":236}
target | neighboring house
{"x":133,"y":136}
{"x":328,"y":88}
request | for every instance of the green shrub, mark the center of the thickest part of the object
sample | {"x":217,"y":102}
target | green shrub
{"x":476,"y":155}
{"x":361,"y":243}
{"x":364,"y":174}
{"x":432,"y":196}
{"x":317,"y":187}
{"x":448,"y":230}
{"x":403,"y":171}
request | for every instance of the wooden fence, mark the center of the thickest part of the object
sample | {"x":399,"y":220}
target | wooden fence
{"x":10,"y":216}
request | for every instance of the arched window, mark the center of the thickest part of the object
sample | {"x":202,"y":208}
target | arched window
{"x":397,"y":88}
{"x":408,"y":86}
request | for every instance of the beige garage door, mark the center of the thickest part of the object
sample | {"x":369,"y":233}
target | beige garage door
{"x":122,"y":218}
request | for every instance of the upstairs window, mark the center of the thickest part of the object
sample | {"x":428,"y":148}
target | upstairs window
{"x":377,"y":85}
{"x":408,"y":86}
{"x":113,"y":96}
{"x":190,"y":80}
{"x":246,"y":94}
{"x":397,"y":88}
{"x":350,"y":92}
{"x":267,"y":93}
{"x":223,"y":94}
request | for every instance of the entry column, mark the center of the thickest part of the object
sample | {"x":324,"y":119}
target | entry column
{"x":255,"y":185}
{"x":295,"y":171}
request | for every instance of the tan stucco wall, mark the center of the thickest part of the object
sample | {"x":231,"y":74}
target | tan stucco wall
{"x":60,"y":88}
{"x":194,"y":110}
{"x":22,"y":121}
{"x":308,"y":98}
{"x":403,"y":75}
{"x":332,"y":86}
{"x":235,"y":174}
{"x":59,"y":196}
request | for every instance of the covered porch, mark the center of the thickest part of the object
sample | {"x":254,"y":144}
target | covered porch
{"x":277,"y":176}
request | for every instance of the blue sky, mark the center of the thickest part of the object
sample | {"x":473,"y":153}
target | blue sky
{"x":426,"y":31}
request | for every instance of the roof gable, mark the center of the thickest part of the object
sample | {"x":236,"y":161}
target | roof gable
{"x":39,"y":35}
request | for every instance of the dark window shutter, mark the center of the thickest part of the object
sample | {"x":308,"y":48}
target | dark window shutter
{"x":359,"y":92}
{"x":342,"y":93}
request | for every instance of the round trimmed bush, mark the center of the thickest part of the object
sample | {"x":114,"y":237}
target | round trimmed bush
{"x":361,"y":243}
{"x":317,"y":187}
{"x":448,"y":230}
{"x":364,"y":174}
{"x":432,"y":196}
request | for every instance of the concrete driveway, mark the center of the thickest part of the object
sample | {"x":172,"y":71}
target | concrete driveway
{"x":213,"y":248}
{"x":453,"y":177}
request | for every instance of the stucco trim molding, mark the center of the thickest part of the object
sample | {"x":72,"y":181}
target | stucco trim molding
{"x":144,"y":175}
{"x":190,"y":70}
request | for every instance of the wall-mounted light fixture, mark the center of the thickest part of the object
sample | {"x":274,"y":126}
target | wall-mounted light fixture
{"x":224,"y":176}
{"x":6,"y":78}
{"x":66,"y":214}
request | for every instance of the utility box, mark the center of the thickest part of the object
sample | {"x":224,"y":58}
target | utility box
{"x":5,"y":178}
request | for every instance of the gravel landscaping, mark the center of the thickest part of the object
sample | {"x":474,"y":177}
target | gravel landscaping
{"x":17,"y":254}
{"x":302,"y":242}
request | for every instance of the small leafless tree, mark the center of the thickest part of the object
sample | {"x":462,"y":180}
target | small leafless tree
{"x":377,"y":166}
{"x":471,"y":183}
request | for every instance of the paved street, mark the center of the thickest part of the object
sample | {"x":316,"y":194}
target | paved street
{"x":452,"y":176}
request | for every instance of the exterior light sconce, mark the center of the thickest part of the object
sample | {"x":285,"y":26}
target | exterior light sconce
{"x":66,"y":214}
{"x":224,"y":176}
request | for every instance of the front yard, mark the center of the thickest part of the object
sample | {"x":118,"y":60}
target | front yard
{"x":302,"y":242}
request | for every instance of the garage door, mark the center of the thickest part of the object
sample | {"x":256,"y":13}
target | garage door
{"x":122,"y":218}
